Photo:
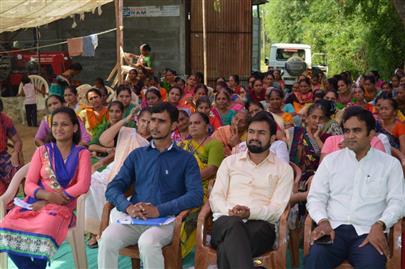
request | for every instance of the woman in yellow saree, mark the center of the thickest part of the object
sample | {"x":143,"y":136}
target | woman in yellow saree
{"x":209,"y":154}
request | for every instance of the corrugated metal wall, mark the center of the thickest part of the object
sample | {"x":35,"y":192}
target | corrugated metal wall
{"x":229,"y":37}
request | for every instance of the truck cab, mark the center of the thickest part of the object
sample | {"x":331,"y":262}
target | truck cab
{"x":281,"y":53}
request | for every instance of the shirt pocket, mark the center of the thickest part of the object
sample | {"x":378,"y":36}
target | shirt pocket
{"x":264,"y":187}
{"x":375,"y":187}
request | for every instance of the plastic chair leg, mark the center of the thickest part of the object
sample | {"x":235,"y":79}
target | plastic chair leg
{"x":3,"y":260}
{"x":76,"y":240}
{"x":23,"y":117}
{"x":294,"y":247}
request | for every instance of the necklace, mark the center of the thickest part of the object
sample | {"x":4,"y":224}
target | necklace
{"x":199,"y":145}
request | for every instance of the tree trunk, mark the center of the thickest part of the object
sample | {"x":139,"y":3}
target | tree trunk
{"x":400,"y":8}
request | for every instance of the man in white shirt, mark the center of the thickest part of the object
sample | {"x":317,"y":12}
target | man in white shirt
{"x":355,"y":197}
{"x":251,"y":191}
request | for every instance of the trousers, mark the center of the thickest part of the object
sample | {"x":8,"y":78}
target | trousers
{"x":23,"y":262}
{"x":150,"y":240}
{"x":238,"y":242}
{"x":31,"y":114}
{"x":345,"y":247}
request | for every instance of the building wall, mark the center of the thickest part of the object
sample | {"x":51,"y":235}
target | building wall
{"x":229,"y":38}
{"x":166,"y":35}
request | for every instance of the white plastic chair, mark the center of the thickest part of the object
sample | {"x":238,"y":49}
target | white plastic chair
{"x":7,"y":197}
{"x":111,"y":92}
{"x":75,"y":235}
{"x":81,"y":93}
{"x":38,"y":83}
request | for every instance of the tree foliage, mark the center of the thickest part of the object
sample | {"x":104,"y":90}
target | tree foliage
{"x":357,"y":35}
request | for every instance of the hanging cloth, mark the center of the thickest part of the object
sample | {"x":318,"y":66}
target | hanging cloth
{"x":75,"y":46}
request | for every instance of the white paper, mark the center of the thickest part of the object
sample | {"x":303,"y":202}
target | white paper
{"x":22,"y":203}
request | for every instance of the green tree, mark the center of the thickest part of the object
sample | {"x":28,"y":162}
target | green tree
{"x":357,"y":35}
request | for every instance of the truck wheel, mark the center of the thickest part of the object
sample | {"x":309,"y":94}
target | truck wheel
{"x":295,"y":66}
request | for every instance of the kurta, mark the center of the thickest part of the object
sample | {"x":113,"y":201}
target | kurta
{"x":38,"y":234}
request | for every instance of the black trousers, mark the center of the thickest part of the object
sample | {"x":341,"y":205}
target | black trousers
{"x":238,"y":242}
{"x":31,"y":114}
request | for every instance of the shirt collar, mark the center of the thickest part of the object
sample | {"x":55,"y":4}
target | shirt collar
{"x":369,"y":154}
{"x":153,"y":146}
{"x":245,"y":156}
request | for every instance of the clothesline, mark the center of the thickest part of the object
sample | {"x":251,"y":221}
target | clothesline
{"x":54,"y":44}
{"x":30,"y":40}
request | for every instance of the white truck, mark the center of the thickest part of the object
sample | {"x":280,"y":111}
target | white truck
{"x":291,"y":59}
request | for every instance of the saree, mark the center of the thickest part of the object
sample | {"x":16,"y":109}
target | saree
{"x":300,"y":101}
{"x":305,"y":153}
{"x":91,"y":119}
{"x":39,"y":234}
{"x":212,"y":153}
{"x":225,"y":118}
{"x":215,"y":122}
{"x":223,"y":134}
{"x":7,"y":170}
{"x":127,"y":111}
{"x":283,"y":120}
{"x":98,"y":131}
{"x":332,"y":128}
{"x":128,"y":140}
{"x":392,"y":135}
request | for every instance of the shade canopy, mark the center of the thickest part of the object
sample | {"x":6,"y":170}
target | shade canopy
{"x":20,"y":14}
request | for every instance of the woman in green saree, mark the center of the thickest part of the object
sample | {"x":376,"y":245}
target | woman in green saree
{"x":208,"y":151}
{"x":209,"y":154}
{"x":124,"y":96}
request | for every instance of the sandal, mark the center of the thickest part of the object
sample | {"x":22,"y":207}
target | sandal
{"x":92,"y":243}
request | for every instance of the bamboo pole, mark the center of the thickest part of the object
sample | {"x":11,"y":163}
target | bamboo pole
{"x":119,"y":37}
{"x":204,"y":43}
{"x":37,"y":37}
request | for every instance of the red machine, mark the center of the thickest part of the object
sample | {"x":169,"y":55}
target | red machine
{"x":22,"y":63}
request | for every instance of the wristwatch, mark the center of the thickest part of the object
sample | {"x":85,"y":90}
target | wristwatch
{"x":382,"y":224}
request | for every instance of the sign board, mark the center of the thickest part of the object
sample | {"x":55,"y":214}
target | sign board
{"x":152,"y":11}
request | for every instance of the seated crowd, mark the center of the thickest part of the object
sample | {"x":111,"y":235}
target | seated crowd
{"x":175,"y":145}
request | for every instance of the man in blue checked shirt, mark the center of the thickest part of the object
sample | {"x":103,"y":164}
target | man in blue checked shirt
{"x":166,"y":181}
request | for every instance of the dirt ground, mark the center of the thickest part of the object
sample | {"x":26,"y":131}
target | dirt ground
{"x":27,"y":135}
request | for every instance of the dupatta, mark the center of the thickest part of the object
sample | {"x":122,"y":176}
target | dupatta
{"x":63,"y":171}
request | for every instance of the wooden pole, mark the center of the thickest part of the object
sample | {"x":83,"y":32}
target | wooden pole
{"x":204,"y":43}
{"x":37,"y":37}
{"x":119,"y":37}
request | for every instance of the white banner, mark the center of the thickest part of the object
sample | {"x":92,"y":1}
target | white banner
{"x":152,"y":11}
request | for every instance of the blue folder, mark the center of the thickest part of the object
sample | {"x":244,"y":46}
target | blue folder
{"x":147,"y":222}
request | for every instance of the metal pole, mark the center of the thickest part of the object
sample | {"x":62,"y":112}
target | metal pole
{"x":119,"y":37}
{"x":204,"y":43}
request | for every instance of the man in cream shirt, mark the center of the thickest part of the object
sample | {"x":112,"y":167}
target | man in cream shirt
{"x":251,"y":191}
{"x":355,"y":197}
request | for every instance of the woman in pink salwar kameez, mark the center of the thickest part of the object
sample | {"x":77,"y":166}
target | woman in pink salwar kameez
{"x":59,"y":173}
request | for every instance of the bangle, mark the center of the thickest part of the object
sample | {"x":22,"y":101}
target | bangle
{"x":382,"y":223}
